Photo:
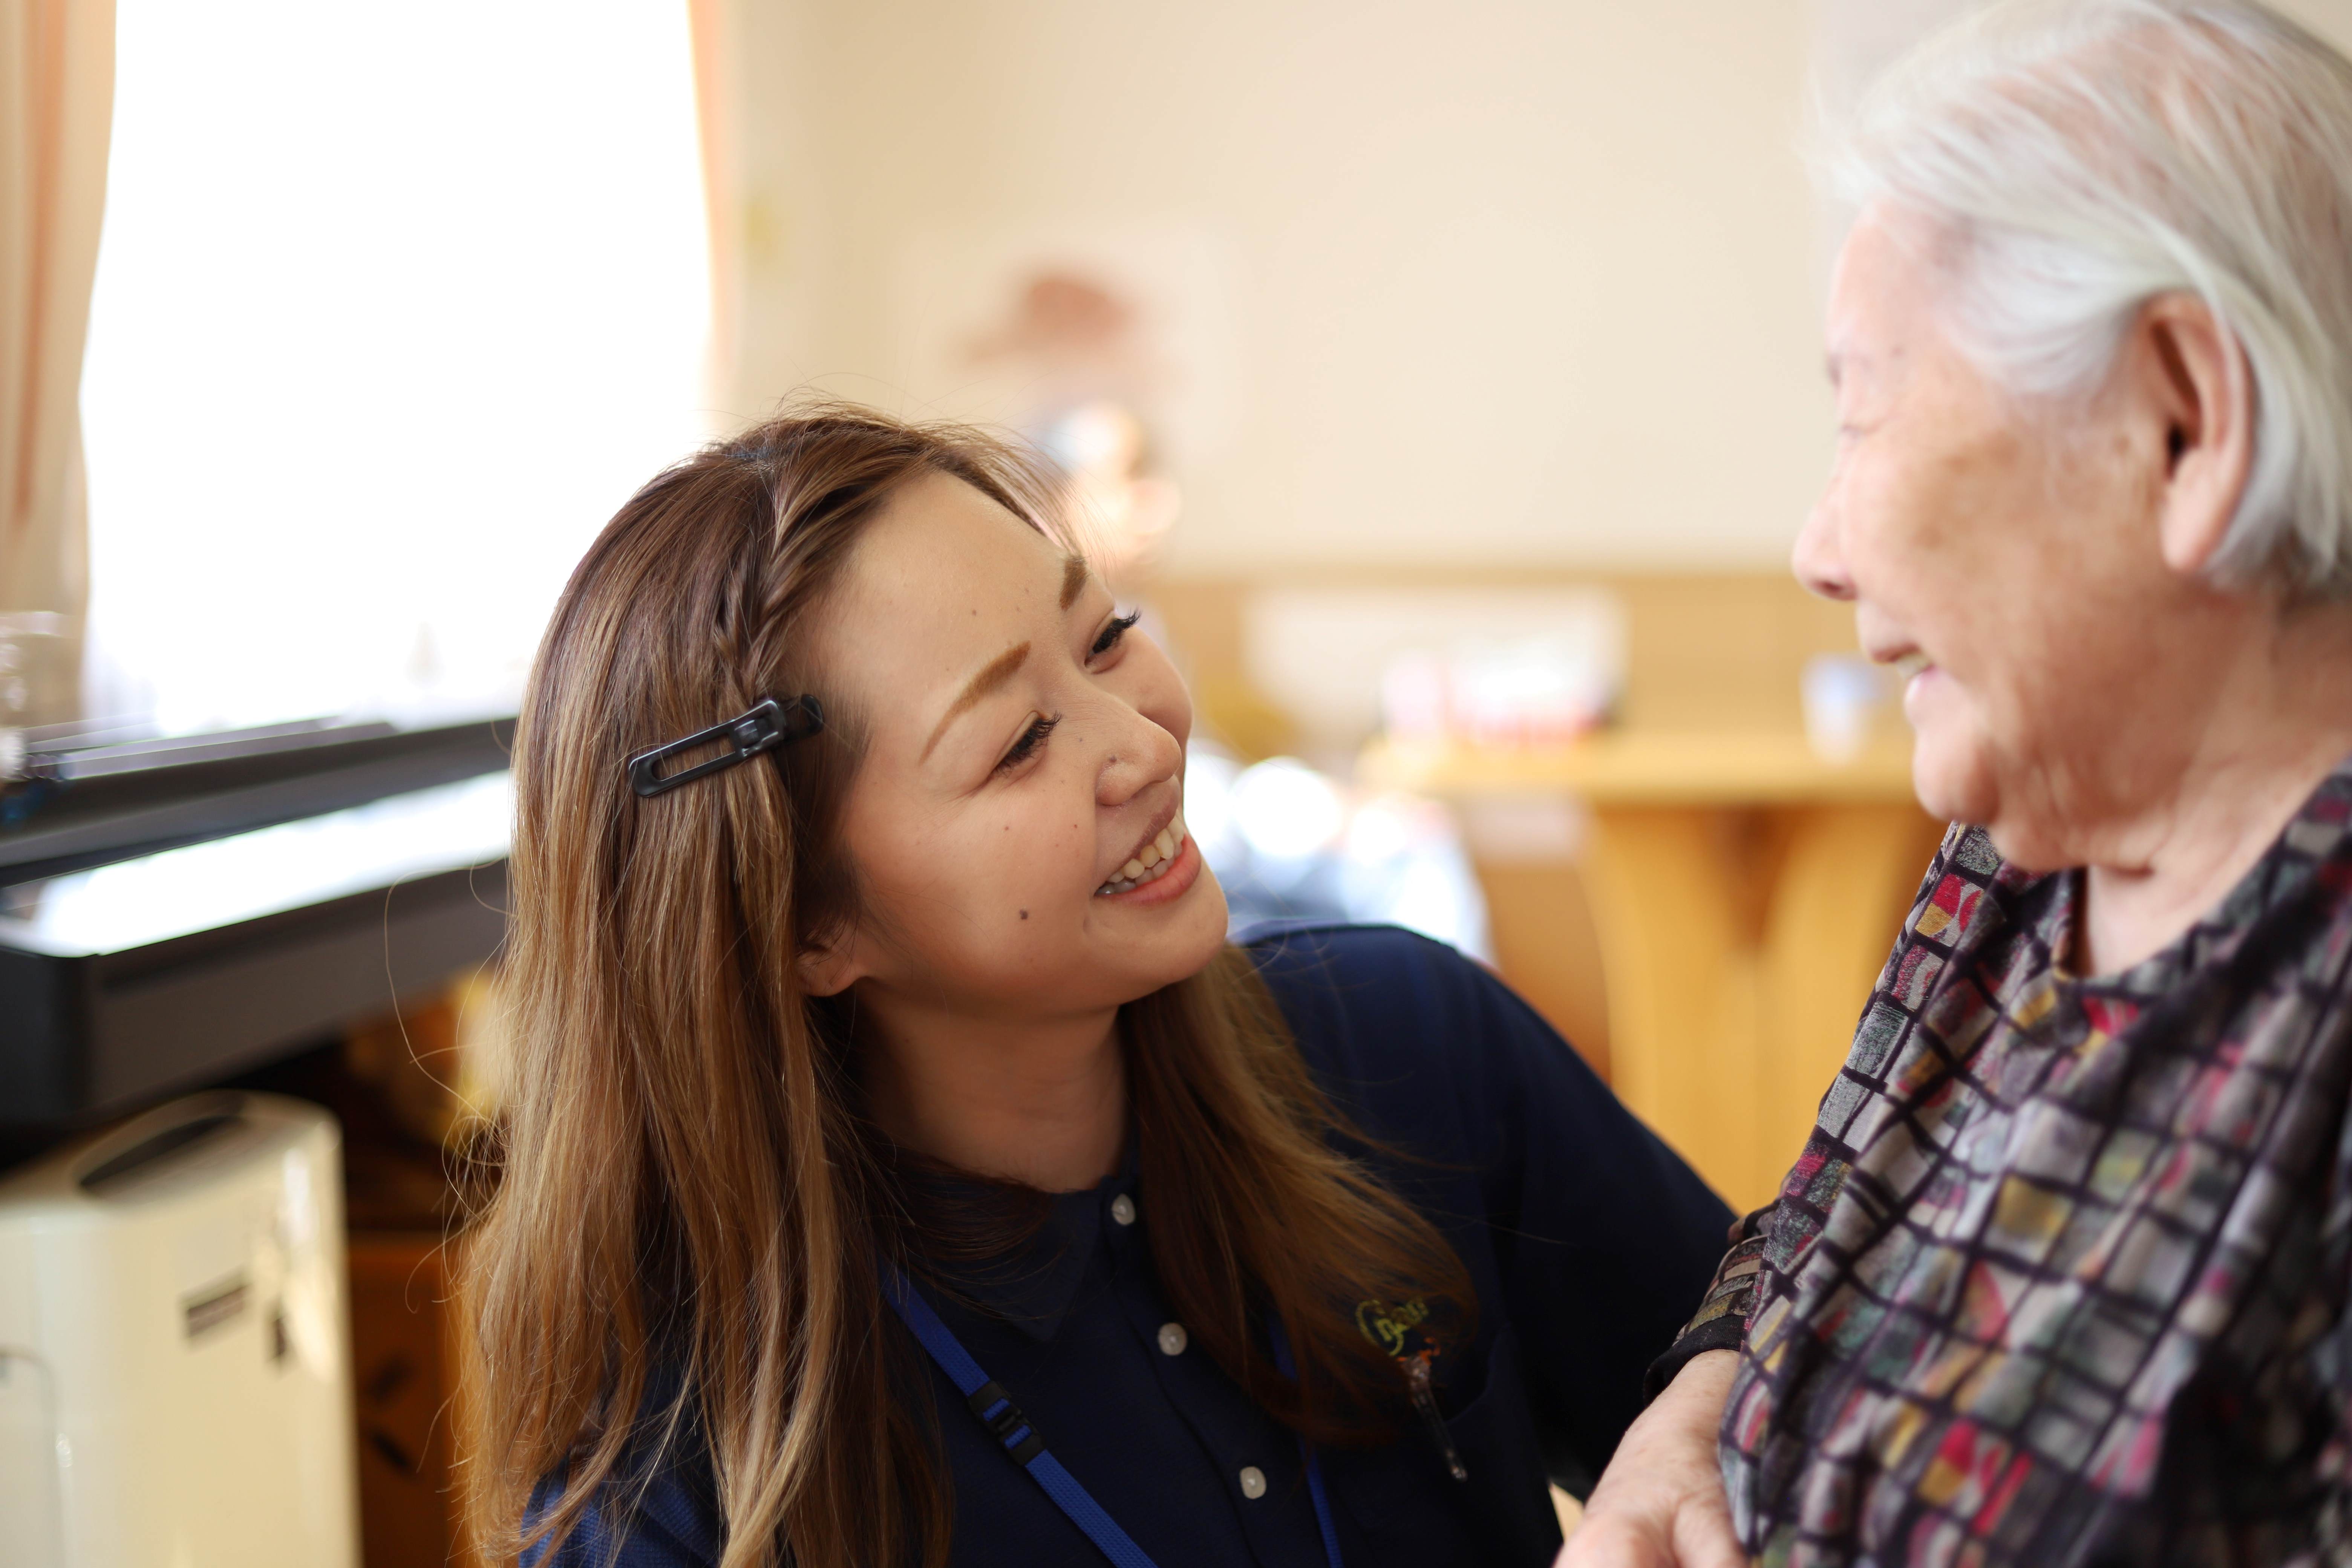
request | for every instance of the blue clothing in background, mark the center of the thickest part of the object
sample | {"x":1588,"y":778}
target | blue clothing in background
{"x":1586,"y":1240}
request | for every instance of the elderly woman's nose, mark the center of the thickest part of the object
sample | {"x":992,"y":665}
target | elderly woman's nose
{"x":1817,"y":560}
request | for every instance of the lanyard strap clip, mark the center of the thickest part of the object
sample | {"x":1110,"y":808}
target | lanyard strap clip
{"x":1001,"y":1416}
{"x":988,"y":1401}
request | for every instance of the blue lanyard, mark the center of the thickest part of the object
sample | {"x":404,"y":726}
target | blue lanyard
{"x":1306,"y":1451}
{"x":996,"y":1411}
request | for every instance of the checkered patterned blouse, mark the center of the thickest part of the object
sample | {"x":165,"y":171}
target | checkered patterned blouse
{"x":2062,"y":1276}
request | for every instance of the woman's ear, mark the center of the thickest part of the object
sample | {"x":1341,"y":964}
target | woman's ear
{"x":832,"y":964}
{"x":2197,"y":380}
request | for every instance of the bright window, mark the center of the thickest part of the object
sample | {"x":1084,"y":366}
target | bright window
{"x":397,"y":301}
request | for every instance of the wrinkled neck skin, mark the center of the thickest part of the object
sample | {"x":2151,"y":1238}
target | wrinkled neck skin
{"x":2225,"y":752}
{"x":1038,"y":1100}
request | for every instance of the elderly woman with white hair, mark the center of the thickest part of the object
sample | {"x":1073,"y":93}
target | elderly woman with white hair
{"x":2062,"y":1274}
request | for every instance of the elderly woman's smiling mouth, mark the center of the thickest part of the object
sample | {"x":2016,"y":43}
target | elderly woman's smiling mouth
{"x":1911,"y":666}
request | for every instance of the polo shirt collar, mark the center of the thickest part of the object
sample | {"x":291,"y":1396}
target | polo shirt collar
{"x":1033,"y":1287}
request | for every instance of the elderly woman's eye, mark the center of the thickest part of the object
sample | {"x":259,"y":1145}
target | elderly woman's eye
{"x":1119,"y":628}
{"x":1026,"y":746}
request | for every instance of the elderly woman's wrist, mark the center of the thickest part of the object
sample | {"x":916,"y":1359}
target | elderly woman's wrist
{"x":1711,"y":1339}
{"x":1706,"y":1377}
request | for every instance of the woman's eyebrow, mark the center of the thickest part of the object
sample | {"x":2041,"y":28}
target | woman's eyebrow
{"x":994,"y":674}
{"x":1074,"y":579}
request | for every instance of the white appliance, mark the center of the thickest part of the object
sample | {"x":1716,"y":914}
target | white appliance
{"x":175,"y":1386}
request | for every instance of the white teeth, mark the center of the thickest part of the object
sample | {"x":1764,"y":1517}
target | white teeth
{"x":1151,"y":864}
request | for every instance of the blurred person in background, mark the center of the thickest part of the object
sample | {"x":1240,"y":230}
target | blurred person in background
{"x":2061,"y":1274}
{"x":899,"y":1163}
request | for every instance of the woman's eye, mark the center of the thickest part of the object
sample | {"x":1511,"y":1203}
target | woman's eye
{"x":1111,"y":634}
{"x":1026,"y":746}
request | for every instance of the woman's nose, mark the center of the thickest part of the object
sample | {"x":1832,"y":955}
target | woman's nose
{"x":1142,"y":754}
{"x":1817,"y":560}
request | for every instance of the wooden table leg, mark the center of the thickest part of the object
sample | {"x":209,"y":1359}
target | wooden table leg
{"x":1738,"y":947}
{"x":1685,"y":1036}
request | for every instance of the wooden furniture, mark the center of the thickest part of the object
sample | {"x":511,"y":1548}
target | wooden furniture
{"x":1745,"y":893}
{"x":404,"y":1361}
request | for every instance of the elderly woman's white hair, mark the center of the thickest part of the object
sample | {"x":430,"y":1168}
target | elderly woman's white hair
{"x":2088,"y":155}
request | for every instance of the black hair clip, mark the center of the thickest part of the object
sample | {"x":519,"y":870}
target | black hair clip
{"x":764,"y":728}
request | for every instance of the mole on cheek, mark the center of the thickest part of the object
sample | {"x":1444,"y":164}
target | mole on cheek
{"x":1025,"y":914}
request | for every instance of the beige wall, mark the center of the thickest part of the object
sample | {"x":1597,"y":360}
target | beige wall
{"x":1503,"y":282}
{"x":1511,"y":281}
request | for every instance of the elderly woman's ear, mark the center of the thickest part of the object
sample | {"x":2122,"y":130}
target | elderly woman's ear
{"x":2189,"y":400}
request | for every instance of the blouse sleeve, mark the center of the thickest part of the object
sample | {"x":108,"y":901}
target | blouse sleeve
{"x":1721,"y":1321}
{"x":1601,"y":1236}
{"x":660,"y":1511}
{"x":666,"y":1529}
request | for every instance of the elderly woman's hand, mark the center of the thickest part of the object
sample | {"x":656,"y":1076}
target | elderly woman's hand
{"x":1661,"y":1504}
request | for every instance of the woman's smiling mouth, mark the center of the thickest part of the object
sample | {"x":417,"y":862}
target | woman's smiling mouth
{"x":1152,"y":859}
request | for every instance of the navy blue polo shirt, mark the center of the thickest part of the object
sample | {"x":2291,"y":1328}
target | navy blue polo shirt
{"x":1586,"y":1240}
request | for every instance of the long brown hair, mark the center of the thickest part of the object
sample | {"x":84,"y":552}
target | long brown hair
{"x":688,"y":1183}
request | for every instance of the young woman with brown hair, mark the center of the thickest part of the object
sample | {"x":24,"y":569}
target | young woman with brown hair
{"x":908,"y":1068}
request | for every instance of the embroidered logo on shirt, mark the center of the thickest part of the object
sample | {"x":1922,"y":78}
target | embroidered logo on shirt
{"x":1403,"y":1330}
{"x":1396,"y":1327}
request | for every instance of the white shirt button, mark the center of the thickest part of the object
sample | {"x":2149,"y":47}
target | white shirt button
{"x":1173,"y":1339}
{"x":1122,"y":1209}
{"x":1252,"y":1481}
